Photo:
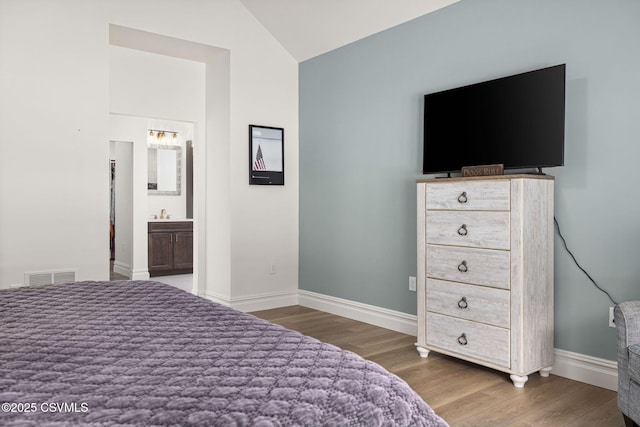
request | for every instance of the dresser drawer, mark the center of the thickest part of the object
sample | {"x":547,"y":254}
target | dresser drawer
{"x":471,"y":302}
{"x":469,"y":195}
{"x":487,"y":267}
{"x":471,"y":339}
{"x":473,"y":229}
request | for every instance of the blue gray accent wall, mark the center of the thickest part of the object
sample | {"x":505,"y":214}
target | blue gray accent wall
{"x":361,"y":149}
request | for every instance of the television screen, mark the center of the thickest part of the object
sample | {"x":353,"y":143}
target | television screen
{"x":517,"y":121}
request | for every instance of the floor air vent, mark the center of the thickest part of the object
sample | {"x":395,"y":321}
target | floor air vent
{"x":49,"y":277}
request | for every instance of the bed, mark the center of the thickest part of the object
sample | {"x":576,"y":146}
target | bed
{"x":145,"y":353}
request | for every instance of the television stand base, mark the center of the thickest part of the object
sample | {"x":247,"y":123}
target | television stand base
{"x":538,"y":172}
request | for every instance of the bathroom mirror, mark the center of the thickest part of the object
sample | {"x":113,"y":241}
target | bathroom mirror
{"x":164,"y":169}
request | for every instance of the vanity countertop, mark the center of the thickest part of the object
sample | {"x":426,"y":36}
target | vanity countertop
{"x":172,"y":220}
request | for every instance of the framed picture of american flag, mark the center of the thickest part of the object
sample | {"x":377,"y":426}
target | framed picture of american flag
{"x":266,"y":155}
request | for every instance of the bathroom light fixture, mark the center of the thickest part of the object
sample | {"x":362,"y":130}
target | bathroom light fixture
{"x":156,"y":136}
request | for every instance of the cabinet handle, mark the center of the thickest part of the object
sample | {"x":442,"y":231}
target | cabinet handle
{"x":463,"y":230}
{"x":462,"y":339}
{"x":463,"y":303}
{"x":462,"y":198}
{"x":462,"y":267}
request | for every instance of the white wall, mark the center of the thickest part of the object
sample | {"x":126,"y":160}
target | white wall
{"x":55,"y":76}
{"x":159,"y":86}
{"x":54,"y":166}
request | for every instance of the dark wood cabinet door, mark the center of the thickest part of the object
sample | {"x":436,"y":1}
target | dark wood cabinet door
{"x":160,"y":252}
{"x":170,"y":247}
{"x":182,"y":250}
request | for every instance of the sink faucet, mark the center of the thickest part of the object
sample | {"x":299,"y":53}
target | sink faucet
{"x":163,"y":214}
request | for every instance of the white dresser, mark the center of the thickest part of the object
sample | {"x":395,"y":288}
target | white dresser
{"x":485,"y":271}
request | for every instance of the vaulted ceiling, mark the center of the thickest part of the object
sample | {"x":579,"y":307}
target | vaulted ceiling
{"x":308,"y":28}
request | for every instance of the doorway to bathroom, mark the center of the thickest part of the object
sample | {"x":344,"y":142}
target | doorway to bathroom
{"x":152,"y":196}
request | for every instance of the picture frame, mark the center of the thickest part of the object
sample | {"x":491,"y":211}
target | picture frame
{"x":266,"y":155}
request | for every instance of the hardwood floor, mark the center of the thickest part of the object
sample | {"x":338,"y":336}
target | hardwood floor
{"x":462,"y":393}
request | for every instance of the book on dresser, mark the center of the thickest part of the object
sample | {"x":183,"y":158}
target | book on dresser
{"x":485,"y":271}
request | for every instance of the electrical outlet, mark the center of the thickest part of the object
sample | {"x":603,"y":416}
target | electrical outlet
{"x":412,"y":283}
{"x":272,"y":268}
{"x":612,"y":323}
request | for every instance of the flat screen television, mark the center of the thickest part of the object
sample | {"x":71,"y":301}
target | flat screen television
{"x":517,"y":121}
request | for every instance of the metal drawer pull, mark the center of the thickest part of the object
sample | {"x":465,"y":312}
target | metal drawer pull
{"x":462,"y":339}
{"x":462,"y":267}
{"x":463,"y":230}
{"x":462,"y":198}
{"x":463,"y":303}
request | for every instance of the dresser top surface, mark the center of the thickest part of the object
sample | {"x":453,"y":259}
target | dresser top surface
{"x":484,"y":178}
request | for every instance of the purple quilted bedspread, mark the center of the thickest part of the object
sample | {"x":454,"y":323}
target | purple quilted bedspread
{"x":145,"y":353}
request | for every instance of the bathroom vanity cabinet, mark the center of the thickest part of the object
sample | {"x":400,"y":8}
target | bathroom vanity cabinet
{"x":170,"y":248}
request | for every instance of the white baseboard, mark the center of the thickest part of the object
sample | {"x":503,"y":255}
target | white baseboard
{"x":579,"y":367}
{"x":123,"y":269}
{"x":586,"y":369}
{"x":256,"y":302}
{"x":140,"y":275}
{"x":378,"y":316}
{"x":220,"y":299}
